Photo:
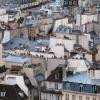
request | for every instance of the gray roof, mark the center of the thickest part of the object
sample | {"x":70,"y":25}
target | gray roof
{"x":29,"y":23}
{"x":16,"y":42}
{"x":82,"y":77}
{"x":17,"y":59}
{"x":97,"y":41}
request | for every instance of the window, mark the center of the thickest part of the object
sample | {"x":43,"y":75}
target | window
{"x":46,"y":97}
{"x":56,"y":86}
{"x":57,"y":97}
{"x":67,"y":86}
{"x":94,"y":98}
{"x":81,"y":87}
{"x":98,"y":12}
{"x":70,"y":3}
{"x":50,"y":97}
{"x":99,"y":5}
{"x":94,"y":89}
{"x":73,"y":97}
{"x":87,"y":98}
{"x":67,"y":96}
{"x":74,"y":3}
{"x":56,"y":76}
{"x":80,"y":97}
{"x":2,"y":94}
{"x":66,"y":2}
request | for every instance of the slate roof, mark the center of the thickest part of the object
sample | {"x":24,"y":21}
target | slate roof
{"x":12,"y":92}
{"x":16,"y":59}
{"x":52,"y":77}
{"x":16,"y":42}
{"x":97,"y":41}
{"x":84,"y":78}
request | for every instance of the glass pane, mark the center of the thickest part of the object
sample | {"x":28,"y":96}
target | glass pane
{"x":80,"y":97}
{"x":73,"y":97}
{"x":87,"y":98}
{"x":67,"y":96}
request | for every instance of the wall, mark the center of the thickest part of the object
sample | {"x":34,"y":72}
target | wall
{"x":51,"y":85}
{"x":30,"y":74}
{"x":63,"y":21}
{"x":83,"y":40}
{"x":69,"y":44}
{"x":77,"y":96}
{"x":4,"y":18}
{"x":51,"y":64}
{"x":85,"y":18}
{"x":98,"y":54}
{"x":9,"y":64}
{"x":47,"y":96}
{"x":58,"y":51}
{"x":77,"y":64}
{"x":83,"y":3}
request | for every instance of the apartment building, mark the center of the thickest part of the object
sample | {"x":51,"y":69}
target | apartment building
{"x":53,"y":85}
{"x":97,"y":3}
{"x":81,"y":87}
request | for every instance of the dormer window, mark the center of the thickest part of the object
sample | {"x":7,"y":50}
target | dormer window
{"x":81,"y":87}
{"x":56,"y":86}
{"x":2,"y":94}
{"x":94,"y":88}
{"x":56,"y":76}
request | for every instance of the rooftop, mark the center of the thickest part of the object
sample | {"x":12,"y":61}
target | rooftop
{"x":18,"y":94}
{"x":82,"y":77}
{"x":21,"y":44}
{"x":56,"y":75}
{"x":97,"y":41}
{"x":17,"y":59}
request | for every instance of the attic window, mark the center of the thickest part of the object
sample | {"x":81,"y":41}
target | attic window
{"x":2,"y":94}
{"x":56,"y":76}
{"x":81,"y":87}
{"x":94,"y":89}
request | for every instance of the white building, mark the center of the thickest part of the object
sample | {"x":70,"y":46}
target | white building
{"x":67,"y":43}
{"x":77,"y":63}
{"x":3,"y":15}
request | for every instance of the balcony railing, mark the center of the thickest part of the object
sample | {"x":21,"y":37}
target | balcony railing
{"x":84,"y":93}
